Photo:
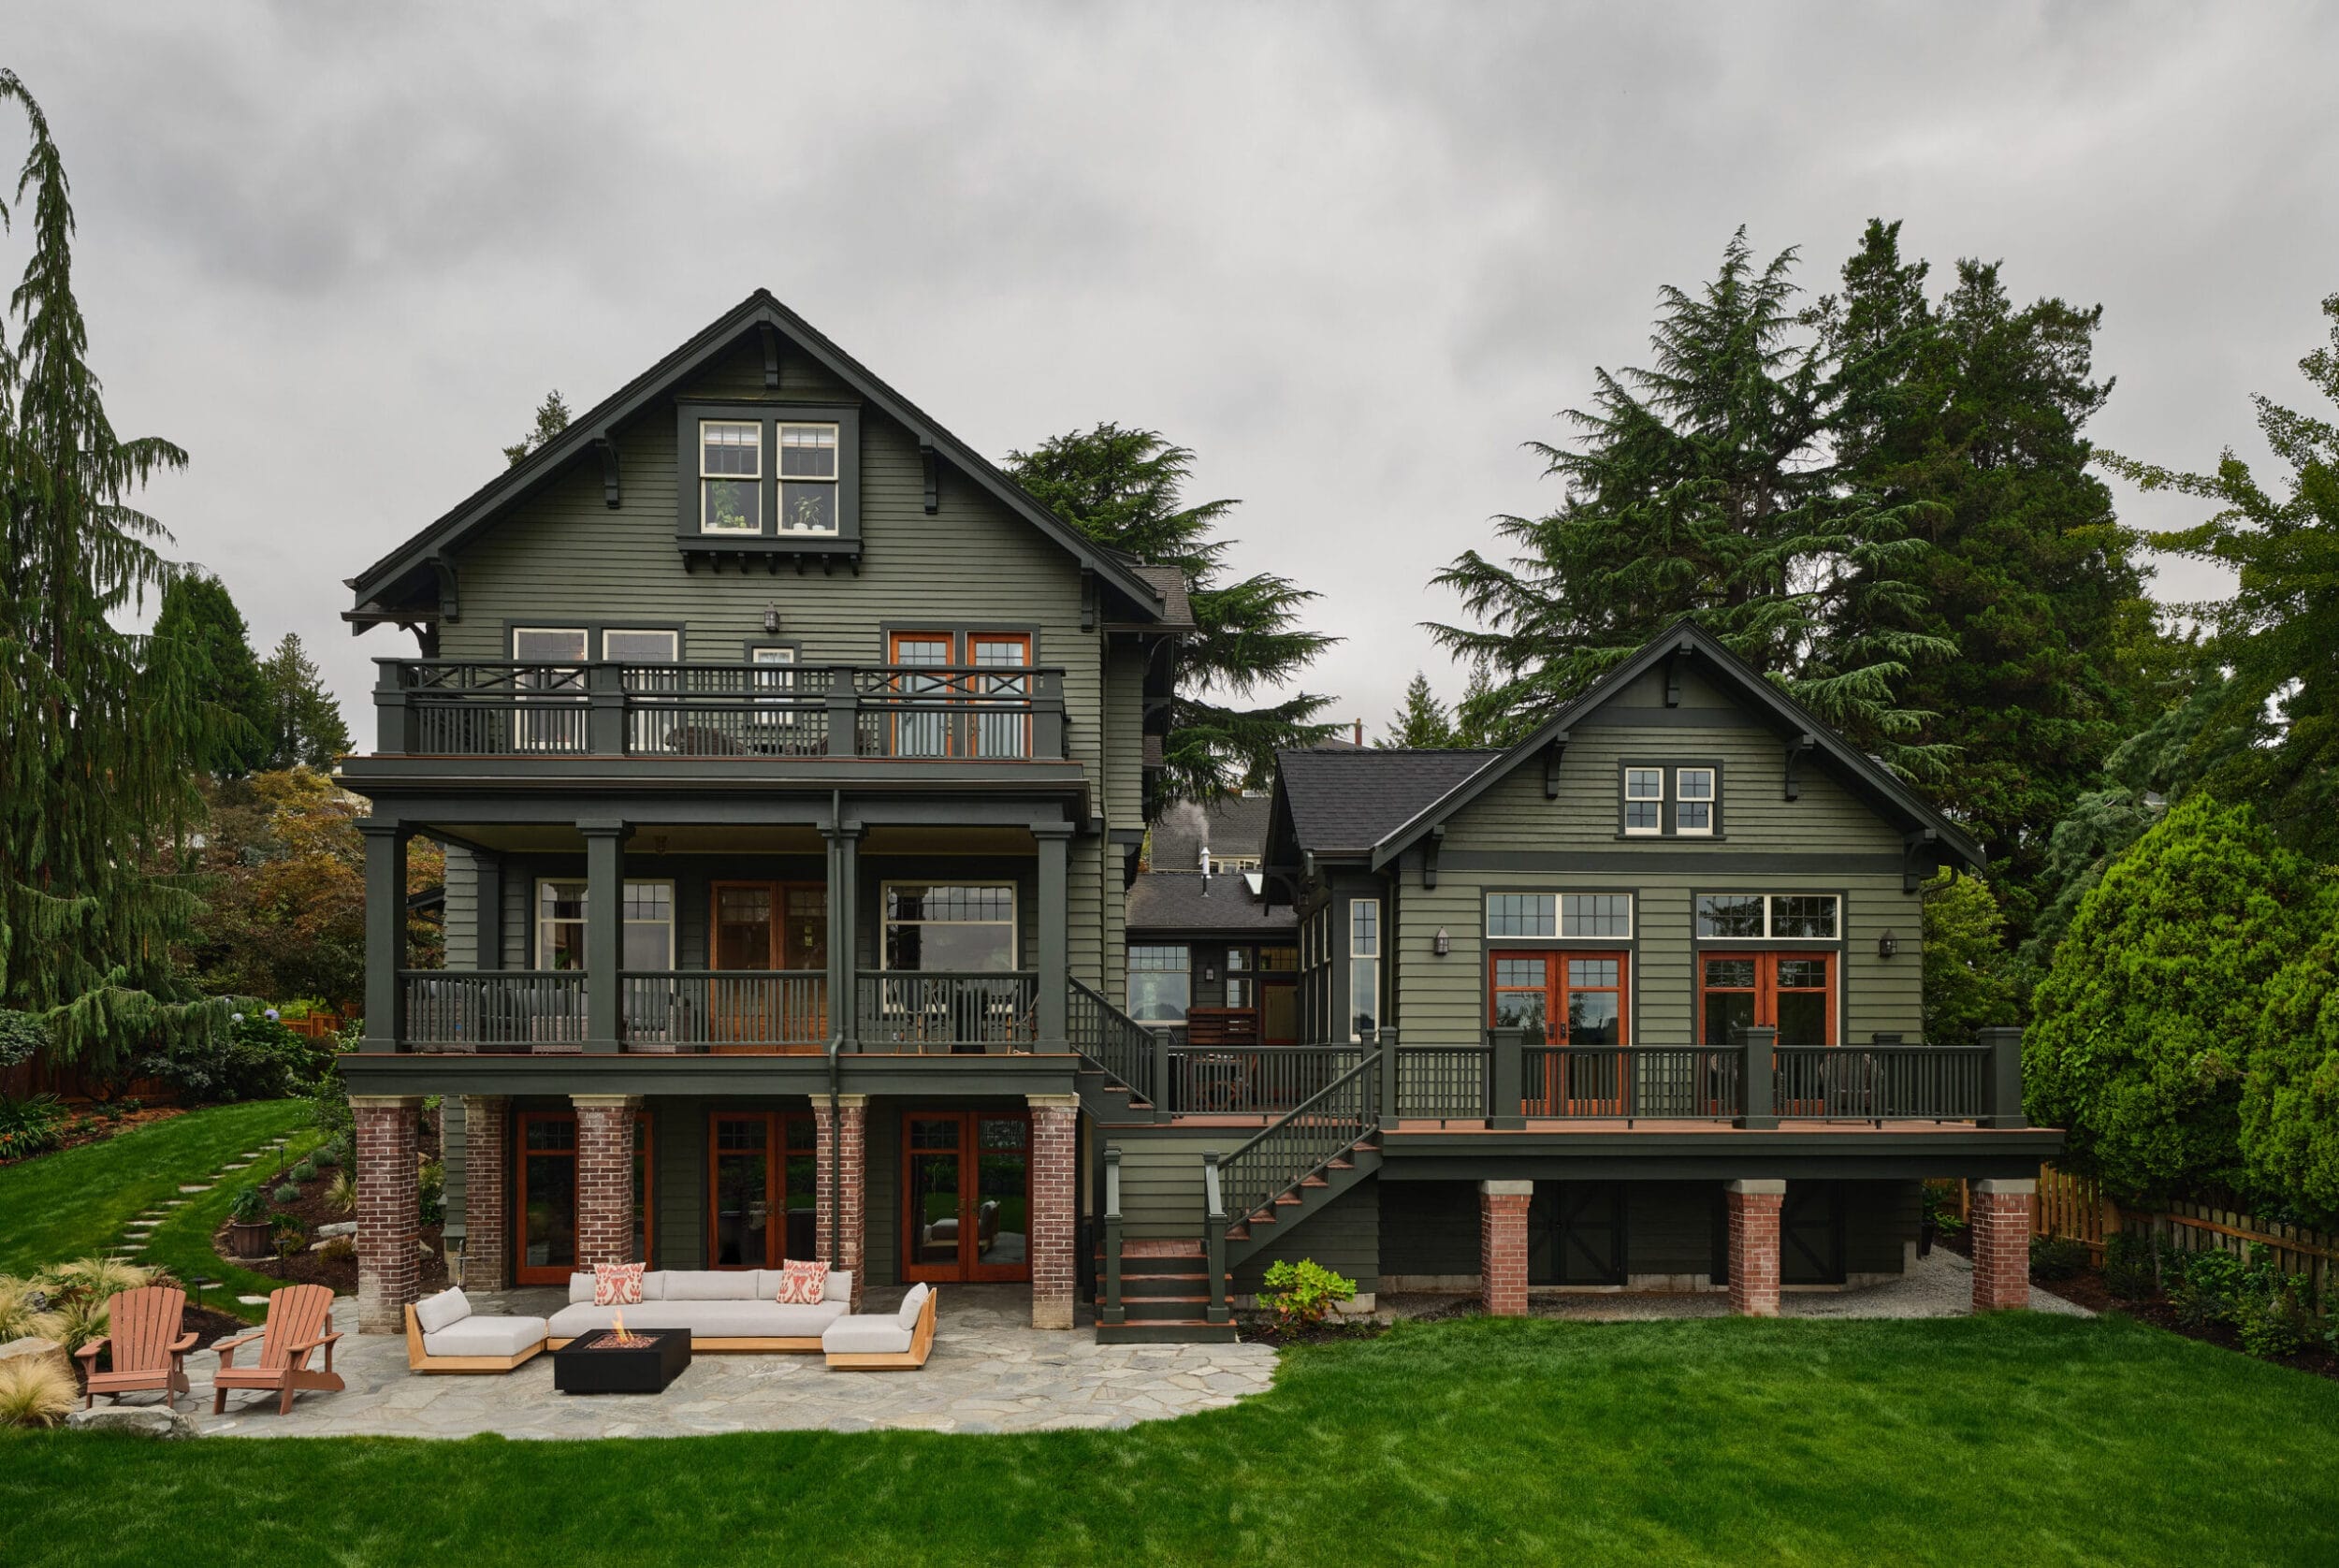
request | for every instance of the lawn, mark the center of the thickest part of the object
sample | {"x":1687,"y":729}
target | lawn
{"x":76,"y":1202}
{"x":2013,"y":1440}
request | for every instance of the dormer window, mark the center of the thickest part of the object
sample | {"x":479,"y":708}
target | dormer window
{"x":1693,"y":800}
{"x":731,"y":476}
{"x":1644,"y":800}
{"x":768,"y":478}
{"x":1670,"y":800}
{"x":808,"y":479}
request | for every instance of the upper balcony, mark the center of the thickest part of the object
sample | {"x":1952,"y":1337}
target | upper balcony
{"x":718,"y":716}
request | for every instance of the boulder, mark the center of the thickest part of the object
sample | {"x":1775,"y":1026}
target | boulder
{"x":32,"y":1345}
{"x":338,"y":1227}
{"x":140,"y":1420}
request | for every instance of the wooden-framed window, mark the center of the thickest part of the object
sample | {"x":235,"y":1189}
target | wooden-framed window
{"x":967,"y":1194}
{"x":1578,"y":915}
{"x":545,"y":1195}
{"x":731,"y":476}
{"x":949,"y":927}
{"x":808,"y":475}
{"x":1002,"y":721}
{"x":1793,"y":993}
{"x":1571,"y":998}
{"x":977,"y":703}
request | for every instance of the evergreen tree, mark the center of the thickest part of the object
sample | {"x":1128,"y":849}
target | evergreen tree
{"x":1423,"y":723}
{"x":107,"y":732}
{"x":1966,"y":417}
{"x":2291,"y":1099}
{"x":1125,"y":488}
{"x":1703,"y":487}
{"x":198,"y":613}
{"x":552,"y":417}
{"x":2279,"y":633}
{"x":305,"y":727}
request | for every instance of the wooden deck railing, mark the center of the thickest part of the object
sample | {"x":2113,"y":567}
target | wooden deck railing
{"x":728,"y":1010}
{"x":1123,"y":1047}
{"x":1258,"y":1080}
{"x":523,"y":1010}
{"x":929,"y":1012}
{"x":1319,"y":1129}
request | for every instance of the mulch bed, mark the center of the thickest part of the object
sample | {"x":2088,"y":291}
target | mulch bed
{"x":314,"y":1210}
{"x":98,"y":1129}
{"x":1260,"y":1328}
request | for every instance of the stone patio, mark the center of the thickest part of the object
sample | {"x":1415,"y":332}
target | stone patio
{"x":989,"y":1372}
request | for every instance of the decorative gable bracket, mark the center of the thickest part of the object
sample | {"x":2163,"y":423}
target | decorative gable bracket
{"x":1798,"y":748}
{"x":1430,"y":848}
{"x":607,"y":444}
{"x":1554,"y":755}
{"x":450,"y":590}
{"x":931,"y":461}
{"x":1914,"y":862}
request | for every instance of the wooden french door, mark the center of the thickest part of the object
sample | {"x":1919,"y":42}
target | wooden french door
{"x":967,"y":1194}
{"x":544,"y":1196}
{"x":1793,"y":993}
{"x":984,"y":713}
{"x":761,"y":1188}
{"x":1575,"y":999}
{"x":767,"y":926}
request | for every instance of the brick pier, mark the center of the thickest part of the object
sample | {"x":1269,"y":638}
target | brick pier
{"x":1753,"y":1212}
{"x":1999,"y":1212}
{"x":1054,"y":1209}
{"x":604,"y":1178}
{"x":389,"y":1210}
{"x":487,"y":1207}
{"x":1502,"y":1246}
{"x":840,"y":1178}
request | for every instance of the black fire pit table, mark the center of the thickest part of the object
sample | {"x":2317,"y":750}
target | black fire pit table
{"x":644,"y":1362}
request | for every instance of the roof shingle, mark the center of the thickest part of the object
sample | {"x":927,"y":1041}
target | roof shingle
{"x":1343,"y":800}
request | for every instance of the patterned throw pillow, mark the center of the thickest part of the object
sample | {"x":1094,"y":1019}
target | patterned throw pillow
{"x":802,"y":1285}
{"x":618,"y":1285}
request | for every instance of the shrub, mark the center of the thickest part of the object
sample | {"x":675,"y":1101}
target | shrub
{"x":2291,"y":1098}
{"x":1941,"y":1206}
{"x":433,"y":1181}
{"x":1301,"y":1294}
{"x":248,"y":1206}
{"x":21,"y":1037}
{"x":2273,"y":1325}
{"x":326,"y":1158}
{"x":2056,"y":1258}
{"x":29,"y":1126}
{"x":286,"y":1193}
{"x":98,"y":1277}
{"x":2128,"y":1264}
{"x":2209,"y":1288}
{"x":253,"y":1058}
{"x":24,"y":1309}
{"x":79,"y":1318}
{"x":339,"y":1250}
{"x":289,"y":1233}
{"x":305,"y":1172}
{"x":35,"y":1391}
{"x":341,"y":1194}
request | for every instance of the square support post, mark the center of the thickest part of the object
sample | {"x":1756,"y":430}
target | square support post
{"x":389,"y":1208}
{"x":1052,"y":954}
{"x":840,"y":1140}
{"x":604,"y":933}
{"x":1161,"y":1091}
{"x":488,"y":917}
{"x":2001,"y":1076}
{"x":1753,"y":1210}
{"x":844,"y":884}
{"x":1054,"y":1209}
{"x":385,"y":934}
{"x":604,"y":1178}
{"x":1999,"y":1213}
{"x":1385,"y":1104}
{"x":1758,"y":1046}
{"x":1507,"y":1077}
{"x":1502,"y":1246}
{"x":487,"y":1204}
{"x":604,"y":709}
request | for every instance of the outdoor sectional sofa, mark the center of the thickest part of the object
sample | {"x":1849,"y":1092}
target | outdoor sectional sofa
{"x":733,"y":1309}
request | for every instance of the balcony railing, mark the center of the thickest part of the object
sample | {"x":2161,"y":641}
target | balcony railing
{"x":505,"y":709}
{"x":729,"y":1010}
{"x":928,"y":1013}
{"x":1258,"y":1081}
{"x":524,"y":1011}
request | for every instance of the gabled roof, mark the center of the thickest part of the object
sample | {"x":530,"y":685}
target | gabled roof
{"x":1864,"y":773}
{"x":483,"y":506}
{"x":1187,"y":901}
{"x":1342,"y":799}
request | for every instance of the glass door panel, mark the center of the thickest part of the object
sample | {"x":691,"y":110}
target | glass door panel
{"x":547,"y":1198}
{"x":1002,"y":1220}
{"x":800,"y":1188}
{"x":922,"y":730}
{"x":741,"y":1235}
{"x":934,"y":1193}
{"x":967,"y":1182}
{"x":1002,"y":728}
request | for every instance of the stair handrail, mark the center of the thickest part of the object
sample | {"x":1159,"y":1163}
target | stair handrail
{"x":1113,"y":1310}
{"x":1215,"y":1239}
{"x":1117,"y":1046}
{"x":1364,"y":1077}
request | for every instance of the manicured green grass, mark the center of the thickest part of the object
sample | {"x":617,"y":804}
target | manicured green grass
{"x":183,"y":1242}
{"x":76,"y":1202}
{"x":2013,"y":1440}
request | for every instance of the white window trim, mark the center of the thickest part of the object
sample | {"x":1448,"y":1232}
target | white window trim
{"x":782,"y":479}
{"x":537,"y":920}
{"x":1836,"y":899}
{"x":1130,"y":971}
{"x":1380,"y":945}
{"x":1711,"y":801}
{"x":756,"y":478}
{"x":1014,"y":915}
{"x":1655,"y":830}
{"x":1559,"y":915}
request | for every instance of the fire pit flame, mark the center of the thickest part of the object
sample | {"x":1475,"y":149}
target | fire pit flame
{"x":619,"y":1335}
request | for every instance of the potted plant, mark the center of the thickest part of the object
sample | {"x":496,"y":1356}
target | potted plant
{"x":247,"y":1225}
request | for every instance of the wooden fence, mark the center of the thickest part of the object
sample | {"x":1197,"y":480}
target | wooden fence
{"x":2074,"y":1206}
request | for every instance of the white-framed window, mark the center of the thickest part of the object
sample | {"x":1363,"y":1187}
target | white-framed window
{"x":1161,"y":983}
{"x":1559,"y":914}
{"x":562,"y":908}
{"x":731,"y":476}
{"x":629,"y":646}
{"x":807,"y":478}
{"x":1644,"y":800}
{"x":1693,"y":793}
{"x":774,"y":680}
{"x":1364,"y":967}
{"x":1218,"y":863}
{"x":949,"y":927}
{"x":1799,"y":917}
{"x":548,"y":691}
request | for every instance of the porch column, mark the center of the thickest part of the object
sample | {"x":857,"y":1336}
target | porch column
{"x":604,"y":932}
{"x":1502,"y":1246}
{"x":604,"y":1178}
{"x":844,"y":882}
{"x":385,"y":934}
{"x":488,"y":920}
{"x":487,"y":1204}
{"x":389,"y":1208}
{"x":1052,"y":956}
{"x":840,"y":1184}
{"x":1999,"y":1212}
{"x":1054,"y":1209}
{"x":1754,"y":1215}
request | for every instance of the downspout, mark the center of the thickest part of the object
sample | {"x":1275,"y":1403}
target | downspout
{"x":836,"y":1046}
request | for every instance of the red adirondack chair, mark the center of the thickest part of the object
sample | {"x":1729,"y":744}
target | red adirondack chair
{"x":299,"y":1321}
{"x":149,"y":1351}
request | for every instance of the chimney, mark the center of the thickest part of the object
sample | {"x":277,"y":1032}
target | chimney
{"x":1359,"y":731}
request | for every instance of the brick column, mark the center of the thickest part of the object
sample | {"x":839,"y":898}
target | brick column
{"x":841,"y":1190}
{"x":1502,"y":1246}
{"x":1055,"y":1208}
{"x":487,"y":1204}
{"x":389,"y":1210}
{"x":1753,"y":1210}
{"x":1999,"y":1213}
{"x":604,"y":1178}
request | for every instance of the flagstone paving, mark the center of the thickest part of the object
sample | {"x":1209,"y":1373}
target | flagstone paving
{"x":989,"y":1372}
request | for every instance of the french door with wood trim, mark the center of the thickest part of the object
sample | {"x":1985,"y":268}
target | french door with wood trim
{"x":544,"y":1197}
{"x":967,"y":1194}
{"x":985,"y":713}
{"x":1573,"y":999}
{"x":1793,"y":993}
{"x":761,"y":1188}
{"x":768,"y":926}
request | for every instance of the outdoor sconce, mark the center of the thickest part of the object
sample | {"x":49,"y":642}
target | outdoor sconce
{"x":771,"y":618}
{"x":1887,"y":945}
{"x":1441,"y":944}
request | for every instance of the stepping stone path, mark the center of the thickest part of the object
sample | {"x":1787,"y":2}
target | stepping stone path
{"x":141,"y":1230}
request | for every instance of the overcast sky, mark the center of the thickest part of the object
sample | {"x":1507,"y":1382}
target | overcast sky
{"x":1351,"y":256}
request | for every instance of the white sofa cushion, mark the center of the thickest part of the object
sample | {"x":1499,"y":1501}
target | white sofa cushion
{"x":866,"y":1336}
{"x":442,"y":1311}
{"x":911,"y":1303}
{"x":712,"y":1284}
{"x":744,"y":1320}
{"x":840,"y":1285}
{"x":485,"y":1336}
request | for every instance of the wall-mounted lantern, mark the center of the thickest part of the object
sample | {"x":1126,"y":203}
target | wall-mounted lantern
{"x":1441,"y":944}
{"x":771,"y":618}
{"x":1887,"y":945}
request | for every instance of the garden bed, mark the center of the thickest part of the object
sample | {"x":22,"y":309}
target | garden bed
{"x":86,"y":1128}
{"x":313,"y":1209}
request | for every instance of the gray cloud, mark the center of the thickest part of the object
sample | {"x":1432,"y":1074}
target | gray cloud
{"x":1353,"y":255}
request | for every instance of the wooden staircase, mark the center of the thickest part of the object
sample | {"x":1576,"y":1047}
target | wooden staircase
{"x":1165,"y":1297}
{"x":1314,"y":1191}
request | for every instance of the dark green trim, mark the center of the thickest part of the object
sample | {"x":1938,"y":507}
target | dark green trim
{"x":749,"y":808}
{"x":928,"y":1077}
{"x":1655,"y":861}
{"x":768,"y":416}
{"x":381,"y":774}
{"x":1855,"y":1154}
{"x":1667,"y":803}
{"x":1667,"y":718}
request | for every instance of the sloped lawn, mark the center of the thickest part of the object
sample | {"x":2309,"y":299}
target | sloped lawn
{"x":2013,"y":1440}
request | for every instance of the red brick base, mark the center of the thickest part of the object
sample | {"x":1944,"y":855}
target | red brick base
{"x":1753,"y":1212}
{"x":1502,"y":1246}
{"x":840,"y":1178}
{"x":389,"y":1210}
{"x":604,"y":1179}
{"x":1999,"y":1213}
{"x":1054,"y":1212}
{"x":487,"y":1209}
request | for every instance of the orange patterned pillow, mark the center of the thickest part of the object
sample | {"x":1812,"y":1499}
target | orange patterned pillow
{"x":802,"y":1285}
{"x":618,"y":1285}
